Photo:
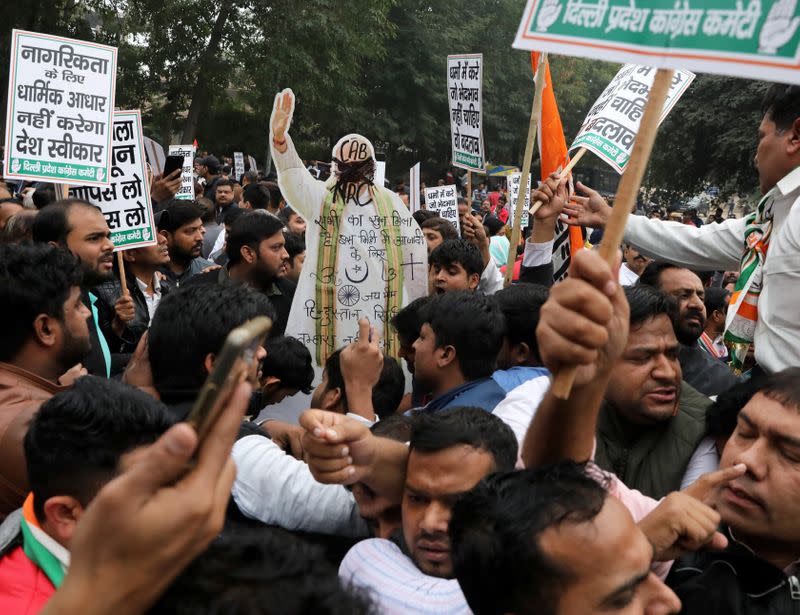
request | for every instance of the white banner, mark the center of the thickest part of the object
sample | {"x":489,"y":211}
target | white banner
{"x":155,"y":155}
{"x":513,"y":190}
{"x":60,"y":101}
{"x":126,"y":201}
{"x":186,"y":192}
{"x":238,"y":166}
{"x":610,"y":127}
{"x":413,"y":189}
{"x":380,"y":173}
{"x":444,"y":201}
{"x":465,"y":99}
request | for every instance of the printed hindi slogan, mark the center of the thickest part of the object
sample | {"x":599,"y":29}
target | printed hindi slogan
{"x":186,"y":191}
{"x":513,"y":192}
{"x":610,"y":127}
{"x":60,"y":101}
{"x":742,"y":38}
{"x":465,"y":99}
{"x":238,"y":166}
{"x":125,"y":202}
{"x":444,"y":201}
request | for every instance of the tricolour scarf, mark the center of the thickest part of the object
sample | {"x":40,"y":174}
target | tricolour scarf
{"x":40,"y":548}
{"x":327,"y":258}
{"x":740,"y":323}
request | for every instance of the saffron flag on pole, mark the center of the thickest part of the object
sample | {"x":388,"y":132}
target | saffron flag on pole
{"x":554,"y":157}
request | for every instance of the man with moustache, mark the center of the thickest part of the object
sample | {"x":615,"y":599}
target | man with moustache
{"x":45,"y":336}
{"x":184,"y":231}
{"x":81,"y":228}
{"x":700,"y":370}
{"x":756,"y":574}
{"x":125,"y":317}
{"x":633,"y":263}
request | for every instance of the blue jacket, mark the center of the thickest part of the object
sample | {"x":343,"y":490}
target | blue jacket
{"x":484,"y":393}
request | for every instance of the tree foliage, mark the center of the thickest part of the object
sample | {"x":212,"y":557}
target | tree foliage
{"x":198,"y":68}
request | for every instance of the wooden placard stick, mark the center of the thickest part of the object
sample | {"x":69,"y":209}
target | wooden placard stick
{"x":524,"y":187}
{"x":566,"y":171}
{"x":626,"y":195}
{"x":469,"y":191}
{"x":122,"y":278}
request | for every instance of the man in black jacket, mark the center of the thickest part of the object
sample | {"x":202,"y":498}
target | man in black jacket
{"x":125,"y":317}
{"x":257,"y":256}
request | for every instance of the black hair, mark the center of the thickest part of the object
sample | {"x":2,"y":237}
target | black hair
{"x":74,"y":442}
{"x":286,"y":214}
{"x":521,"y":305}
{"x":460,"y":251}
{"x":716,"y":299}
{"x":257,"y":195}
{"x":493,"y":224}
{"x":782,"y":387}
{"x":232,"y":214}
{"x":260,"y":571}
{"x":179,"y":213}
{"x":651,"y":276}
{"x":192,"y":322}
{"x":295,"y":244}
{"x":289,"y":360}
{"x":462,"y":200}
{"x":721,"y":416}
{"x":209,"y":212}
{"x":387,"y":392}
{"x":52,"y":224}
{"x":226,"y":170}
{"x":781,"y":104}
{"x":395,"y":427}
{"x":647,"y":302}
{"x":250,"y":230}
{"x":434,"y":432}
{"x":424,"y":214}
{"x":495,"y":533}
{"x":473,"y":324}
{"x":444,"y":227}
{"x":34,"y":279}
{"x":408,"y":320}
{"x":275,"y":195}
{"x":251,"y":176}
{"x":19,"y":227}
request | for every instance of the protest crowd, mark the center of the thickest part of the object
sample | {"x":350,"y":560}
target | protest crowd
{"x":395,"y":443}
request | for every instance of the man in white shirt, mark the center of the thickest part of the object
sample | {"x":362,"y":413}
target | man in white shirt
{"x":448,"y":454}
{"x":776,"y":332}
{"x":633,"y":263}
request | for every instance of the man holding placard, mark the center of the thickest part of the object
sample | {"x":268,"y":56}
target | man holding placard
{"x":763,"y":245}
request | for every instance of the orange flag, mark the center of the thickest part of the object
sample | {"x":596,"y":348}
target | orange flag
{"x":553,"y":149}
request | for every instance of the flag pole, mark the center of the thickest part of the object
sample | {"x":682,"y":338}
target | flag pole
{"x":626,"y":195}
{"x":524,"y":187}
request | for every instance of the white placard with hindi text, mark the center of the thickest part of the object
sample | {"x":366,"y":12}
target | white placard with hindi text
{"x":238,"y":166}
{"x":186,"y":192}
{"x":126,"y":201}
{"x":465,"y":100}
{"x":60,"y":101}
{"x":513,"y":191}
{"x":610,"y":127}
{"x":444,"y":201}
